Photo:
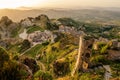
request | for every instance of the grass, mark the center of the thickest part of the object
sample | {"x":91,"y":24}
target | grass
{"x":42,"y":75}
{"x":115,"y":67}
{"x":15,"y":32}
{"x":85,"y":76}
{"x":33,"y":29}
{"x":97,"y":59}
{"x":35,"y":50}
{"x":51,"y":52}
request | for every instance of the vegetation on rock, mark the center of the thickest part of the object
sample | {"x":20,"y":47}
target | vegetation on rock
{"x":54,"y":57}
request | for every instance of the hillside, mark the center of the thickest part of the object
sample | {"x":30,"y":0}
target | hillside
{"x":43,"y":48}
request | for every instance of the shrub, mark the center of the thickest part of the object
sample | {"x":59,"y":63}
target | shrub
{"x":61,"y":67}
{"x":104,"y":49}
{"x":85,"y":76}
{"x":41,"y":75}
{"x":3,"y":56}
{"x":69,"y":22}
{"x":97,"y":58}
{"x":8,"y":69}
{"x":25,"y":45}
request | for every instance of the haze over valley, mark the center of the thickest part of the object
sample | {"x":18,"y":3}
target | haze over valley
{"x":99,"y":15}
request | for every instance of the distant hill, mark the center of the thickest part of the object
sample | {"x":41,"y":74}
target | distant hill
{"x":94,"y":14}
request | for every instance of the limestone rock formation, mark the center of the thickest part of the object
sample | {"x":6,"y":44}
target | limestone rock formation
{"x":43,"y":21}
{"x":39,"y":37}
{"x":27,"y":22}
{"x":8,"y":28}
{"x":115,"y":45}
{"x":79,"y":61}
{"x":113,"y":55}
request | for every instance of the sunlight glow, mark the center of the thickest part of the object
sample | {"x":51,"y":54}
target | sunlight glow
{"x":58,"y":3}
{"x":19,"y":3}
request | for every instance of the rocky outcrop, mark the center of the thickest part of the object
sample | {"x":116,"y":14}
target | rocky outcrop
{"x":70,"y":30}
{"x":113,"y":55}
{"x":5,"y":44}
{"x":23,"y":35}
{"x":3,"y":56}
{"x":39,"y":37}
{"x":5,"y":21}
{"x":79,"y":60}
{"x":115,"y":45}
{"x":8,"y":28}
{"x":43,"y":21}
{"x":27,"y":22}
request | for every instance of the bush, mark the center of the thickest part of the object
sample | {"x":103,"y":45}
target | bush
{"x":85,"y":77}
{"x":8,"y":69}
{"x":61,"y":67}
{"x":41,"y":75}
{"x":97,"y":59}
{"x":69,"y":22}
{"x":45,"y":43}
{"x":25,"y":45}
{"x":104,"y":49}
{"x":3,"y":56}
{"x":90,"y":76}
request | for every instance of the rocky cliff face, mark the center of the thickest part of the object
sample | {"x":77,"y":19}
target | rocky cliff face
{"x":43,"y":21}
{"x":27,"y":22}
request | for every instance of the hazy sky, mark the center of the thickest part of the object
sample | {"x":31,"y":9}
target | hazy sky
{"x":58,"y":3}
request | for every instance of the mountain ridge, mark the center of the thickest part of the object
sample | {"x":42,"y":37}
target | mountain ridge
{"x":78,"y":14}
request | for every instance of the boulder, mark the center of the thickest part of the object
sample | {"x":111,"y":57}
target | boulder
{"x":113,"y":55}
{"x":85,"y":65}
{"x":5,"y":20}
{"x":95,"y":46}
{"x":115,"y":45}
{"x":89,"y":43}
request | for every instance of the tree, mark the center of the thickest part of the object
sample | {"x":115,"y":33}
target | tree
{"x":25,"y":45}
